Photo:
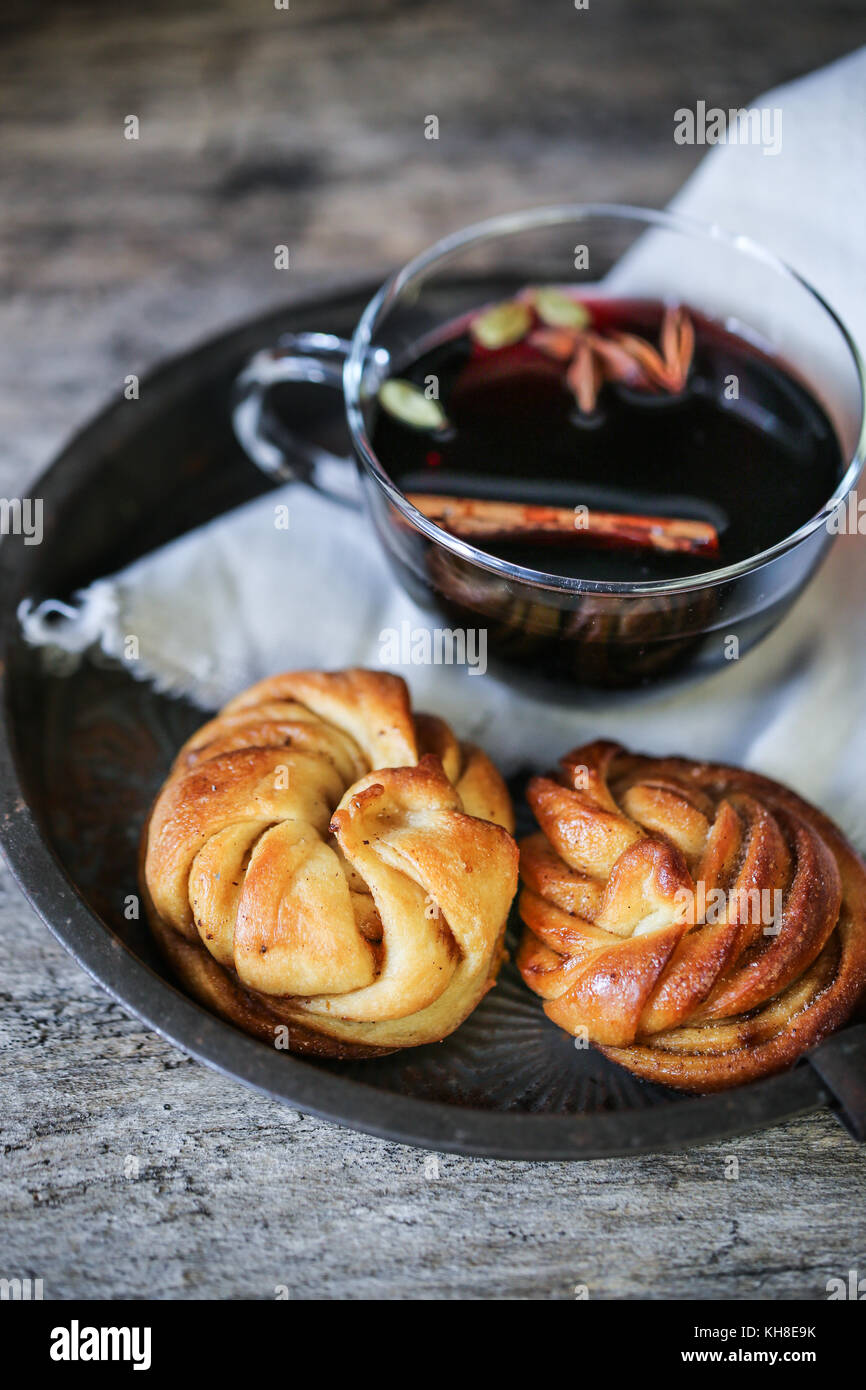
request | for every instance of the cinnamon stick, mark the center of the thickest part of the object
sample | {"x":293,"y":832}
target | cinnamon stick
{"x":479,"y":519}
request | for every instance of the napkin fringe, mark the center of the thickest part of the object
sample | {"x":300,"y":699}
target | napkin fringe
{"x":90,"y":619}
{"x":91,"y":627}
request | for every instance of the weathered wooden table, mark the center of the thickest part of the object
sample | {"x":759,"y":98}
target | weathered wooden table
{"x":128,"y":1170}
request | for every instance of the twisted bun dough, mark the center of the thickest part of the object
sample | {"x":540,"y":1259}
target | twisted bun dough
{"x":320,"y":858}
{"x":702,"y":924}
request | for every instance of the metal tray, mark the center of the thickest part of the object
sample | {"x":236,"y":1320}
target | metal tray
{"x":82,"y":755}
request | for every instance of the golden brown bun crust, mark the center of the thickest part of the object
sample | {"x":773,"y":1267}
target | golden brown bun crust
{"x":701,"y":924}
{"x":330,"y":871}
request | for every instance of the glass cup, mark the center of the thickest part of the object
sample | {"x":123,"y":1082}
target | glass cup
{"x":566,"y":636}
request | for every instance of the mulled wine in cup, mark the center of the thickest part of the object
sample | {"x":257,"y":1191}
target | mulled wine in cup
{"x":610,"y":437}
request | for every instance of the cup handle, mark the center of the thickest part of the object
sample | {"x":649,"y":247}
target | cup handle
{"x":280,"y":453}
